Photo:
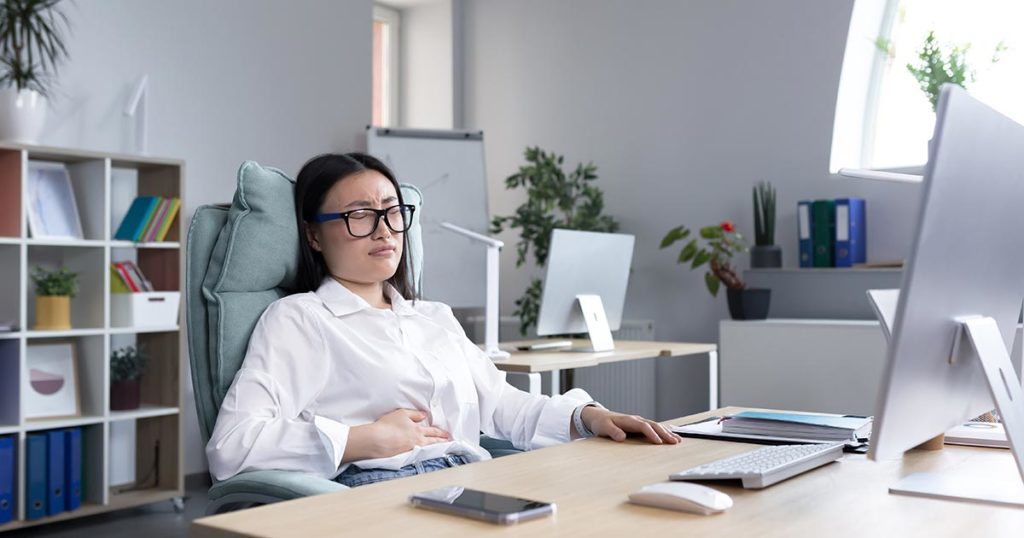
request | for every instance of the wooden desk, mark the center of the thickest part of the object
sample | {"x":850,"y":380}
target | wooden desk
{"x":589,"y":480}
{"x":531,"y":363}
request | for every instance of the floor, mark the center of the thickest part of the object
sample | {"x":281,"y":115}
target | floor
{"x":157,"y":520}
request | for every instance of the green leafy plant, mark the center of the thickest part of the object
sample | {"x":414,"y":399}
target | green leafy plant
{"x":31,"y":43}
{"x":764,"y":214}
{"x":554,"y":199}
{"x":721,"y":242}
{"x":61,"y":282}
{"x":938,"y":64}
{"x":127,"y":363}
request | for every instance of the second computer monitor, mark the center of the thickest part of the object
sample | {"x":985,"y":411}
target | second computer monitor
{"x":584,"y":263}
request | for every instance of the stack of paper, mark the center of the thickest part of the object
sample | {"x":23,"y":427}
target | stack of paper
{"x":798,"y":426}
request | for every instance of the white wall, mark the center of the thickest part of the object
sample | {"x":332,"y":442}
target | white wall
{"x":228,"y":81}
{"x":426,"y":65}
{"x":683,"y":105}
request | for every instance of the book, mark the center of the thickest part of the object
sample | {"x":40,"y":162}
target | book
{"x":823,"y":215}
{"x":154,"y":202}
{"x":804,"y":234}
{"x":123,"y":272}
{"x":140,"y":279}
{"x":851,"y":232}
{"x":153,"y":227}
{"x":169,"y":220}
{"x":835,"y":428}
{"x":132,"y":220}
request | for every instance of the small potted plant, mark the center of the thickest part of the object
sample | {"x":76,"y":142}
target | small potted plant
{"x":126,"y":366}
{"x":764,"y":253}
{"x":54,"y":290}
{"x":721,"y":242}
{"x":31,"y":47}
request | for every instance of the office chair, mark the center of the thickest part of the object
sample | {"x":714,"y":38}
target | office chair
{"x":240,"y":258}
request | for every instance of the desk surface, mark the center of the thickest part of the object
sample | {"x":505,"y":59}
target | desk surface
{"x":625,"y":350}
{"x":590,"y":480}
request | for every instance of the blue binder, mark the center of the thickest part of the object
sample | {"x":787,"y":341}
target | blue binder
{"x":803,"y":218}
{"x":6,"y":479}
{"x":35,"y":476}
{"x":851,"y":232}
{"x":72,"y":468}
{"x":54,"y":472}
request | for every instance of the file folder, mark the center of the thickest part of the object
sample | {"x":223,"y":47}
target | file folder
{"x":6,"y":479}
{"x":804,"y":234}
{"x":823,"y":215}
{"x":851,"y":244}
{"x":72,"y":468}
{"x":35,"y":476}
{"x":54,"y":472}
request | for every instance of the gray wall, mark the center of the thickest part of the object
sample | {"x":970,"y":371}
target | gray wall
{"x":228,"y":81}
{"x":426,"y":65}
{"x":683,"y":105}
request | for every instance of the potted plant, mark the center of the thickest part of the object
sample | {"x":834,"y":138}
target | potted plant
{"x":720,"y":243}
{"x":764,"y":253}
{"x":54,"y":290}
{"x":554,"y":199}
{"x":126,"y":367}
{"x":31,"y":46}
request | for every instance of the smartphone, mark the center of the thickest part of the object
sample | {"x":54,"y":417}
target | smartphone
{"x":481,"y":505}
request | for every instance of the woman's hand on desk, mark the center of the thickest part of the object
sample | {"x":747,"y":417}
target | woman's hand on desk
{"x":605,"y":423}
{"x":396,"y":432}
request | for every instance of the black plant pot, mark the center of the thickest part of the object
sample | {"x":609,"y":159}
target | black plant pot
{"x":768,"y":256}
{"x":749,"y":303}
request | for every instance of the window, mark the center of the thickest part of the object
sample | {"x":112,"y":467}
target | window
{"x":883,"y":118}
{"x":385,"y":66}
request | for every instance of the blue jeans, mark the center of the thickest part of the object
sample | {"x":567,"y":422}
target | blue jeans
{"x":354,"y":476}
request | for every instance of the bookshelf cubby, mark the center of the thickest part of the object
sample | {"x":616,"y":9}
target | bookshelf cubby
{"x":104,"y":186}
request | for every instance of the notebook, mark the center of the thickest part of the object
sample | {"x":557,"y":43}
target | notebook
{"x":798,"y":425}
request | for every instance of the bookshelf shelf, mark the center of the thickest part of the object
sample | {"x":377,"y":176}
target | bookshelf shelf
{"x":104,"y":186}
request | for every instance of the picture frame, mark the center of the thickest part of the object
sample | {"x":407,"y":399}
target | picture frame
{"x":52,"y":209}
{"x":51,"y":381}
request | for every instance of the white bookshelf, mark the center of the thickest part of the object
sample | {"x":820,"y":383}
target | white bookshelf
{"x":105,"y":185}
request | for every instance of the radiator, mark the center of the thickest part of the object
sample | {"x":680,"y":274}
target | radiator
{"x":627,"y":387}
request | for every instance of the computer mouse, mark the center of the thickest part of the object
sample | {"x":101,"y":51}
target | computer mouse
{"x":683,"y":496}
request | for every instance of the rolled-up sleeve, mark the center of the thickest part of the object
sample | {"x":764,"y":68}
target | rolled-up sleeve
{"x":526,"y":420}
{"x":268,"y":418}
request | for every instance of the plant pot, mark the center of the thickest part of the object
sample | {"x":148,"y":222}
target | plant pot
{"x":749,"y":303}
{"x":22,"y":115}
{"x":53,"y":313}
{"x":765,"y":256}
{"x":125,"y":395}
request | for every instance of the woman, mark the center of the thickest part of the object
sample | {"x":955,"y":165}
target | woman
{"x":355,"y":381}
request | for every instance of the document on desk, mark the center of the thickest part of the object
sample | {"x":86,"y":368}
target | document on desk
{"x":712,"y":429}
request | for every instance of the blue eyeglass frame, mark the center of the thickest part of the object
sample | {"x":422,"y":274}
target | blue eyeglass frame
{"x":381,"y":213}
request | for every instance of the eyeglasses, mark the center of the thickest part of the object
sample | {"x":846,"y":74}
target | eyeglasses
{"x":363,"y":222}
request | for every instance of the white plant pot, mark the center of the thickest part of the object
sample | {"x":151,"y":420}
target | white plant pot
{"x":22,"y":114}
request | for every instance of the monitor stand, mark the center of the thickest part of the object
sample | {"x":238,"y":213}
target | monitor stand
{"x":597,"y":324}
{"x":978,"y":338}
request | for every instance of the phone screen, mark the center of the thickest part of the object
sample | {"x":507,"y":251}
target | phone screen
{"x":470,"y":501}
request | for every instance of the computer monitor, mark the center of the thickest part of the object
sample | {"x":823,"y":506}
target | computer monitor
{"x":582,"y":266}
{"x":960,"y":297}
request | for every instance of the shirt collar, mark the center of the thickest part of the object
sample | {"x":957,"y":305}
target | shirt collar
{"x":341,"y":301}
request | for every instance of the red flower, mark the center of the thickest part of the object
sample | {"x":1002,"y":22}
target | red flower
{"x":727,"y":226}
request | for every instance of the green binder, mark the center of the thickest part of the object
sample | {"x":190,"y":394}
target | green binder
{"x":823,"y":232}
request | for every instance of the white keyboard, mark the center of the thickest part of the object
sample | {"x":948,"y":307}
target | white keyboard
{"x":765,"y":466}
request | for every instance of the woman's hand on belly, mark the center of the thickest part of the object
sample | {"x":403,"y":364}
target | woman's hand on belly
{"x":394,"y":433}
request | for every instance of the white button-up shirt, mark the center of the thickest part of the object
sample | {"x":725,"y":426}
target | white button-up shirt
{"x":321,"y":362}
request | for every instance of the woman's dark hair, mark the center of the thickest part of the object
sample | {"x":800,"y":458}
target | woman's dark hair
{"x":317,"y":177}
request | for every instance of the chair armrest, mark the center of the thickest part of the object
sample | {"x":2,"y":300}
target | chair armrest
{"x":279,"y":485}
